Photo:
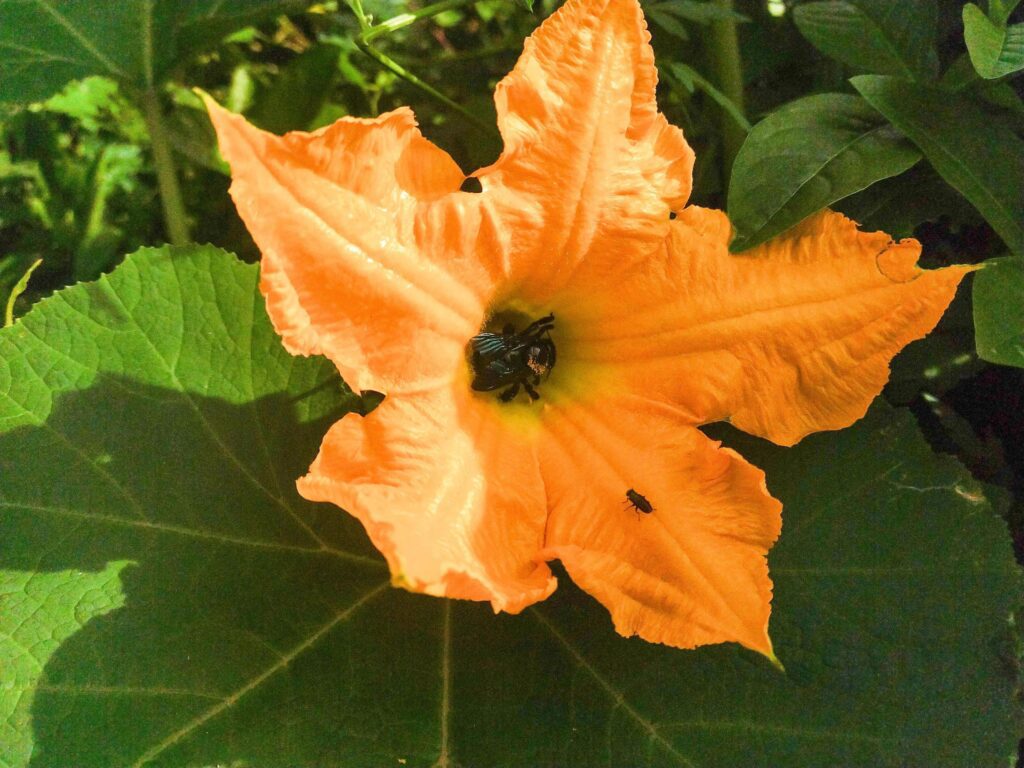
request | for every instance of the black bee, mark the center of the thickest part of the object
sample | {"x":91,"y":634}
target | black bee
{"x":638,"y":502}
{"x":513,"y":360}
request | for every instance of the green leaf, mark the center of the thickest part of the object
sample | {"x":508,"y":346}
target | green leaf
{"x":86,"y":101}
{"x":959,"y":74}
{"x":996,"y":50}
{"x":806,"y":156}
{"x":168,"y":600}
{"x":975,"y":152}
{"x":999,"y":10}
{"x":44,"y":44}
{"x":881,"y":36}
{"x":297,"y":95}
{"x":999,"y":312}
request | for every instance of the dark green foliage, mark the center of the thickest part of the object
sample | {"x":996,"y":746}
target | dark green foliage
{"x":999,"y":311}
{"x":901,"y":205}
{"x":74,"y":185}
{"x":805,"y":157}
{"x":890,"y":38}
{"x":977,"y":153}
{"x":296,"y":96}
{"x":45,"y":44}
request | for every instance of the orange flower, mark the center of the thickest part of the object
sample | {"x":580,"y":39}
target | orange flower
{"x":373,"y":257}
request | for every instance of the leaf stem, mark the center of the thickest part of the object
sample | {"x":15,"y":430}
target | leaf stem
{"x":727,"y":73}
{"x":175,"y":219}
{"x":17,"y":290}
{"x":389,"y":63}
{"x":98,"y":206}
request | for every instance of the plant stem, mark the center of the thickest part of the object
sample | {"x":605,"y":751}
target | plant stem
{"x":175,"y":219}
{"x":402,"y":72}
{"x":369,"y":32}
{"x":357,"y":8}
{"x":727,"y":72}
{"x":405,"y":19}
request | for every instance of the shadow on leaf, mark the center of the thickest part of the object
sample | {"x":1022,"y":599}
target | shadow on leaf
{"x":225,"y":570}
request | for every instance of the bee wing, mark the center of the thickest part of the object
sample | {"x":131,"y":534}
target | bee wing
{"x":488,"y":346}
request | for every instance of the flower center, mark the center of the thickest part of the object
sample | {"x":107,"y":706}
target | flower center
{"x":512,"y":360}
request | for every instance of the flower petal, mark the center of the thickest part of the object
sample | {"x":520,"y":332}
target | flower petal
{"x":691,"y":572}
{"x":590,"y":168}
{"x":451,"y":498}
{"x":792,"y":338}
{"x":334,"y":213}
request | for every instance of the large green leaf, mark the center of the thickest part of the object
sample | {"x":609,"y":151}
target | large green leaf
{"x":974,"y":151}
{"x":806,"y":156}
{"x":999,"y":312}
{"x":168,"y":600}
{"x":996,"y":50}
{"x":881,"y":36}
{"x":47,"y":43}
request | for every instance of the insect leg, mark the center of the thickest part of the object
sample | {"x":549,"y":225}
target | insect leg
{"x":509,"y":393}
{"x":537,"y":327}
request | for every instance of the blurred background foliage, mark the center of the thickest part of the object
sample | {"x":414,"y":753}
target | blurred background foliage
{"x":905,"y":114}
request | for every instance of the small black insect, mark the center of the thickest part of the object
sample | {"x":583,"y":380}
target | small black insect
{"x":639,"y":502}
{"x":513,"y":359}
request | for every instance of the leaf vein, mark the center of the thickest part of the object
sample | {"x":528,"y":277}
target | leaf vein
{"x":190,"y":532}
{"x":613,"y":692}
{"x":232,"y":699}
{"x":200,"y":416}
{"x":84,"y":41}
{"x":444,"y":758}
{"x":122,"y":690}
